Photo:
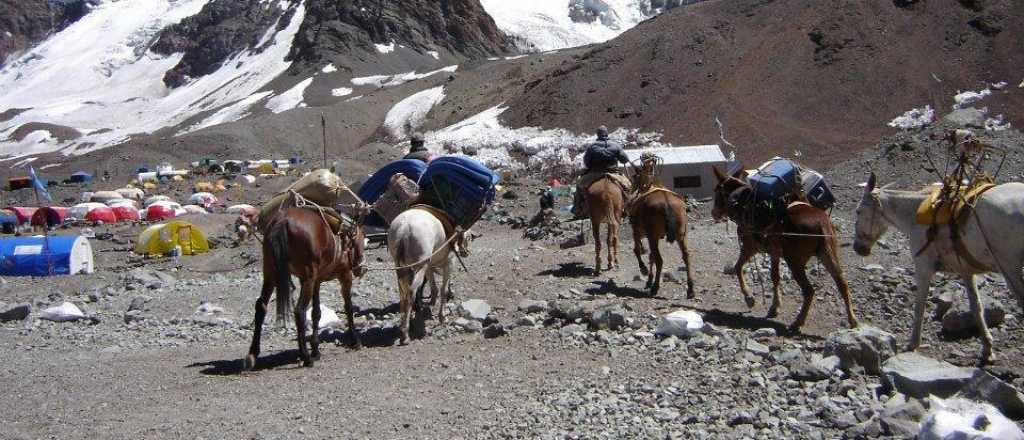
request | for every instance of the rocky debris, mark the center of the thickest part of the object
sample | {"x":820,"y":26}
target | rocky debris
{"x":918,"y":376}
{"x":964,"y":419}
{"x":475,"y":309}
{"x":609,"y":317}
{"x":532,"y":306}
{"x":969,"y":117}
{"x":151,"y":279}
{"x":138,"y":303}
{"x":960,"y":320}
{"x":987,"y":388}
{"x":494,"y":331}
{"x":814,"y":369}
{"x":16,"y":312}
{"x":134,"y":316}
{"x":681,"y":323}
{"x":757,"y":348}
{"x":863,"y":348}
{"x":901,"y":417}
{"x":468,"y":325}
{"x":62,"y":313}
{"x":764,"y":333}
{"x":566,"y":310}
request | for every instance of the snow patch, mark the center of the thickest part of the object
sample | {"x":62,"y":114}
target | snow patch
{"x":385,"y":48}
{"x":354,"y":98}
{"x":541,"y":25}
{"x":118,"y":88}
{"x":410,"y":112}
{"x":382,"y":81}
{"x":341,"y":91}
{"x":516,"y":57}
{"x":329,"y":69}
{"x":957,"y":418}
{"x":291,"y":98}
{"x":35,"y":143}
{"x":435,"y":54}
{"x":963,"y":99}
{"x":915,"y":118}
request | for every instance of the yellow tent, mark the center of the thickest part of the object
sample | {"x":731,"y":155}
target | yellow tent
{"x":160,"y":239}
{"x":266,"y":168}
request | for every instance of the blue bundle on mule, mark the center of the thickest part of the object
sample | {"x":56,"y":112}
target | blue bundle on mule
{"x":377,"y":184}
{"x":775,"y":180}
{"x":460,"y":186}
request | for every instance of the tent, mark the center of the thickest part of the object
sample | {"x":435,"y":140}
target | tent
{"x":15,"y":183}
{"x":123,"y":202}
{"x":203,"y":199}
{"x":125,"y":213}
{"x":81,"y":210}
{"x":24,"y":214}
{"x":160,"y":211}
{"x":239,"y":209}
{"x":233,"y":166}
{"x":101,"y":215}
{"x":8,"y":221}
{"x":160,"y":239}
{"x":195,"y":209}
{"x":45,"y":256}
{"x":49,"y":216}
{"x":81,"y":177}
{"x":150,"y":201}
{"x":105,"y":196}
{"x":131,"y":193}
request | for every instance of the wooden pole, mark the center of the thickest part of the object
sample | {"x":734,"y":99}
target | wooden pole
{"x":323,"y":126}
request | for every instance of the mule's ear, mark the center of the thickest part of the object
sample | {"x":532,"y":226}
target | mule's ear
{"x":718,"y":174}
{"x":871,"y":183}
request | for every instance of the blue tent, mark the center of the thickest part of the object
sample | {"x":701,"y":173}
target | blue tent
{"x":41,"y":256}
{"x":8,"y":222}
{"x":81,"y":177}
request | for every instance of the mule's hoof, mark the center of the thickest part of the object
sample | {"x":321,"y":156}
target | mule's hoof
{"x":751,"y":302}
{"x":772,"y":313}
{"x":308,"y":363}
{"x":315,"y":356}
{"x":987,"y":358}
{"x":793,"y":329}
{"x":690,"y":294}
{"x":910,"y":347}
{"x":249,"y":363}
{"x":644,"y":271}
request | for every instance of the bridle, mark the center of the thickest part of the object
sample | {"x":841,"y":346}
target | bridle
{"x":875,"y":212}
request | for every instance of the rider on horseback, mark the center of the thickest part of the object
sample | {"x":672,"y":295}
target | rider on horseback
{"x":602,"y":158}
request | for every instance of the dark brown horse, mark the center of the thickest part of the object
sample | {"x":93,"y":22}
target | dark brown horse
{"x":300,"y":242}
{"x":658,"y":213}
{"x":807,"y":232}
{"x":605,"y":201}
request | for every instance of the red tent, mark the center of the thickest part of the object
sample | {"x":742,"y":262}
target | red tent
{"x":105,"y":215}
{"x":125,"y":213}
{"x":24,"y":214}
{"x":49,"y":216}
{"x":159,"y":212}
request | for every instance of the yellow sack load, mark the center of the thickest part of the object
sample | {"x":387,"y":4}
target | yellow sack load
{"x":930,"y":212}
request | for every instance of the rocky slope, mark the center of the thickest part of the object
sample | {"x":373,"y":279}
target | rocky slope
{"x":821,"y":78}
{"x":26,"y":22}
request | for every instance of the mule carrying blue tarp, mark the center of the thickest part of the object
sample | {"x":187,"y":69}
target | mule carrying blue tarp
{"x":460,"y":186}
{"x":377,"y":184}
{"x":775,"y":180}
{"x":40,"y":256}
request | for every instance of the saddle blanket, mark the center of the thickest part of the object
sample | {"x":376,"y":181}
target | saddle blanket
{"x":934,"y":211}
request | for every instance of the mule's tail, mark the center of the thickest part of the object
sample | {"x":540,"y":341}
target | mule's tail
{"x":409,"y":277}
{"x":277,"y":241}
{"x":671,"y":222}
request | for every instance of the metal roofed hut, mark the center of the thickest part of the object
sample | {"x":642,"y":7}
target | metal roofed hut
{"x":687,"y":170}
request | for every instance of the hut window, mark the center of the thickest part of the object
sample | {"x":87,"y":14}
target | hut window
{"x":686,"y":182}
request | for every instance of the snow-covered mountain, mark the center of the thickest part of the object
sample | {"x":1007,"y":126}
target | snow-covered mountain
{"x":111,"y":69}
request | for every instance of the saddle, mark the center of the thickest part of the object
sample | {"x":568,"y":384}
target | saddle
{"x":944,"y":206}
{"x":443,"y":217}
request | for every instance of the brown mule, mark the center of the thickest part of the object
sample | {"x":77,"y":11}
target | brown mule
{"x":605,"y":200}
{"x":656,"y":214}
{"x":807,"y":232}
{"x":300,"y":242}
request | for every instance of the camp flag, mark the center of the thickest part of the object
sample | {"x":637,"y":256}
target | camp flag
{"x":38,"y":185}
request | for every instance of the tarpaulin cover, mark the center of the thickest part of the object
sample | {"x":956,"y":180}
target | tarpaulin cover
{"x":461,"y":186}
{"x":775,"y":180}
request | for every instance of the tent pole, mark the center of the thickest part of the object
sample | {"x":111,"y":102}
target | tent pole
{"x":323,"y":126}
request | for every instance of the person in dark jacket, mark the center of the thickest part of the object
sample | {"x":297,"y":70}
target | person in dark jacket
{"x":602,"y":158}
{"x":418,"y":150}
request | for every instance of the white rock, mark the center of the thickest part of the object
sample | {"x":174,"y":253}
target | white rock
{"x":64,"y":312}
{"x":328,"y":317}
{"x":963,"y":419}
{"x":680,"y":323}
{"x":476,"y":309}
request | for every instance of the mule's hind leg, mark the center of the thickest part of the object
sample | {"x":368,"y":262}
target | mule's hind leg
{"x":924,"y":269}
{"x":773,"y":310}
{"x":798,"y":267}
{"x":596,"y":229}
{"x":979,"y":318}
{"x":834,"y":269}
{"x":746,"y":251}
{"x":613,"y":245}
{"x":638,"y":248}
{"x":315,"y":325}
{"x":1015,"y":282}
{"x":657,"y":264}
{"x":684,"y":246}
{"x":446,"y":289}
{"x":300,"y":321}
{"x":257,"y":322}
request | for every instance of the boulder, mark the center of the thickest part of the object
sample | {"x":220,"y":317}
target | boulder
{"x":680,"y":323}
{"x":757,"y":348}
{"x":16,"y":312}
{"x":152,"y":279}
{"x":62,"y":313}
{"x":764,"y":333}
{"x":864,"y":348}
{"x":468,"y":325}
{"x":985,"y":387}
{"x":963,"y":419}
{"x":969,"y":117}
{"x":960,"y":320}
{"x":610,"y":317}
{"x":919,"y":376}
{"x":533,"y":306}
{"x":138,"y":303}
{"x":803,"y":369}
{"x":566,"y":310}
{"x":475,"y":309}
{"x":494,"y":331}
{"x":901,"y":418}
{"x":328,"y":317}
